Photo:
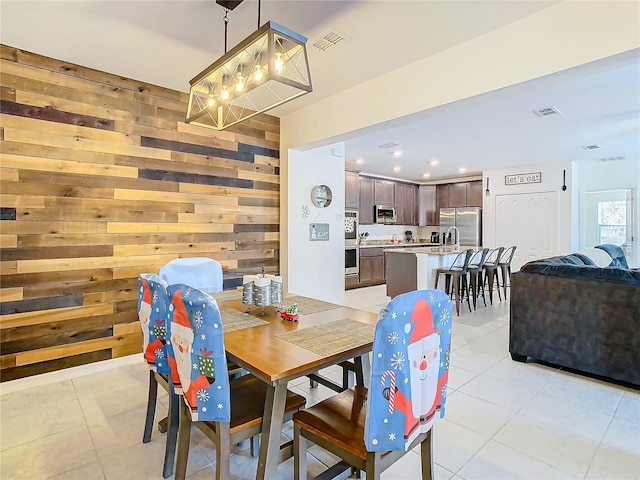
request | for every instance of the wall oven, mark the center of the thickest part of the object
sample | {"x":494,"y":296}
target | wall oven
{"x":351,"y":260}
{"x":351,"y":228}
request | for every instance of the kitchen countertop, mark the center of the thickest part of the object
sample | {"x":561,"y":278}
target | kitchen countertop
{"x":439,"y":250}
{"x":387,"y":244}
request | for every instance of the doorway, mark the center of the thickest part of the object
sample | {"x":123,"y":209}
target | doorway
{"x":608,"y":218}
{"x":529,"y":221}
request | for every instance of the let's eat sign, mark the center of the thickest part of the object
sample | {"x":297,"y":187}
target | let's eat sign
{"x":522,"y":178}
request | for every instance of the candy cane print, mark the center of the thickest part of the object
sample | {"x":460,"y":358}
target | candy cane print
{"x":392,"y":387}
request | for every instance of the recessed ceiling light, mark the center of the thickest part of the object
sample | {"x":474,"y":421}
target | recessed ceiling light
{"x":398,"y":153}
{"x":435,"y":162}
{"x":397,"y":168}
{"x":462,"y":169}
{"x":426,"y":174}
{"x":359,"y":161}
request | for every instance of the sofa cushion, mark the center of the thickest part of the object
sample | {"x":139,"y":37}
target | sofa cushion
{"x":569,"y":269}
{"x":599,"y":257}
{"x":616,"y":253}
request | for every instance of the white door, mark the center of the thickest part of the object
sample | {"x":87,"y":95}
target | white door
{"x":607,"y":217}
{"x":529,"y":221}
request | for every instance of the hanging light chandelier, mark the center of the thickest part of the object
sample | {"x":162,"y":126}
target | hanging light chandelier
{"x":266,"y":69}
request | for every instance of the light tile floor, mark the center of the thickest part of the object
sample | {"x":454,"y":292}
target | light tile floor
{"x":504,"y":420}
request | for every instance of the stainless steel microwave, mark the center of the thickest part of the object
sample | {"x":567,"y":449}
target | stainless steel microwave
{"x":385,"y":214}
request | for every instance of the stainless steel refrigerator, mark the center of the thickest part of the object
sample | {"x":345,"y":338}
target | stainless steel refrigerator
{"x":468,"y":220}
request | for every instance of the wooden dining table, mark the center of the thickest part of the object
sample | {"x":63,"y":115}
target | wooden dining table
{"x":278,"y":351}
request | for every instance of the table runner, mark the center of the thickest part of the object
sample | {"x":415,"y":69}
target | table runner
{"x":233,"y":320}
{"x":307,"y":306}
{"x":332,"y":337}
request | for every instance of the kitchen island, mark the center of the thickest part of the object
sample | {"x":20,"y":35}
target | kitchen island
{"x":409,"y":269}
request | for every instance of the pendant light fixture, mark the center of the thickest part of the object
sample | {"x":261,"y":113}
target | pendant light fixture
{"x":265,"y":70}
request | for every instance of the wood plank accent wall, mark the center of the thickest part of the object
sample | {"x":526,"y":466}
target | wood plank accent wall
{"x":101,"y":180}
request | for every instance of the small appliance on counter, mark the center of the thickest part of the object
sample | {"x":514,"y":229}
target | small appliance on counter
{"x":435,"y":237}
{"x":408,"y":236}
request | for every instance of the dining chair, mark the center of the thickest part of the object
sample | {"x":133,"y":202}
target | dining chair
{"x":491,"y":266}
{"x":476,"y":275}
{"x":152,"y":310}
{"x":200,"y":272}
{"x":371,"y":429}
{"x":455,"y":277}
{"x":226,"y":410}
{"x":505,"y":267}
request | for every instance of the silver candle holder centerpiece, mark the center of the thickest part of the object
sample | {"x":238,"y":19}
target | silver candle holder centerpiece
{"x":261,"y":290}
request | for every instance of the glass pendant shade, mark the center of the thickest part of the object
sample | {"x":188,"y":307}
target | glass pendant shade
{"x":267,"y":69}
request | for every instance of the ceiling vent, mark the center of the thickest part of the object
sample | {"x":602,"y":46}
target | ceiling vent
{"x":330,"y":39}
{"x":610,"y":159}
{"x":595,"y":146}
{"x":546,"y":111}
{"x":389,"y":145}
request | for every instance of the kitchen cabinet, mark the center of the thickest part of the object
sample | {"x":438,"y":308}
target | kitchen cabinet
{"x":351,"y":190}
{"x":406,"y":203}
{"x":442,"y":199}
{"x":474,"y":194}
{"x":458,"y":194}
{"x":428,"y":214}
{"x":371,"y":266}
{"x":366,"y":201}
{"x":384,"y":191}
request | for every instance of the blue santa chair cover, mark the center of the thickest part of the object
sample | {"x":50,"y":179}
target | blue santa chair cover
{"x":197,"y":348}
{"x":152,"y":313}
{"x":200,"y":272}
{"x":409,"y":370}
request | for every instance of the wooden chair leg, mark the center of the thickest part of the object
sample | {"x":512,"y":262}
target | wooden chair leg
{"x":299,"y":454}
{"x":373,"y":469}
{"x":456,"y":288}
{"x":172,"y":435}
{"x":184,"y":439}
{"x":151,"y":407}
{"x":426,"y":457}
{"x":223,"y":451}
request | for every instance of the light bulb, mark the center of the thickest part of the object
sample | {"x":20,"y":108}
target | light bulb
{"x":279,"y":63}
{"x":257,"y":73}
{"x":212,"y":101}
{"x":224,"y":94}
{"x":239,"y":82}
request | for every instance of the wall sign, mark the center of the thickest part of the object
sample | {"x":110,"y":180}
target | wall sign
{"x":318,"y":232}
{"x":521,"y":178}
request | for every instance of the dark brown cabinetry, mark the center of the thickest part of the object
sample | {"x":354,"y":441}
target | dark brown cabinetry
{"x":351,"y":190}
{"x":384,"y":191}
{"x":474,"y":194}
{"x":371,"y":266}
{"x":366,"y":201}
{"x":406,"y":203}
{"x":427,"y":211}
{"x":442,"y":199}
{"x":457,"y":195}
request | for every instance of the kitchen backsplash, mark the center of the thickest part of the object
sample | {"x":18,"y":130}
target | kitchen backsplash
{"x":386,"y":232}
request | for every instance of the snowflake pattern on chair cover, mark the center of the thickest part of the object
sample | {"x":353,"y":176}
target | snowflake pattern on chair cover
{"x":197,"y":348}
{"x":152,"y":313}
{"x":409,"y":370}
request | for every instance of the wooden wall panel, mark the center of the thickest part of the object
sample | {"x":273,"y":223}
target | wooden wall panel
{"x":101,"y":180}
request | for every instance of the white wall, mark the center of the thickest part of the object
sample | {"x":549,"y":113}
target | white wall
{"x":557,"y":38}
{"x":316,"y":269}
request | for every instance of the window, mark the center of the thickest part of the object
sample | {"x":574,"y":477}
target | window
{"x":612,"y":222}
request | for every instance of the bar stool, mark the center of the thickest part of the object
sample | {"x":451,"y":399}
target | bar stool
{"x":491,"y":266}
{"x":476,"y":269}
{"x":505,"y":267}
{"x":458,"y":273}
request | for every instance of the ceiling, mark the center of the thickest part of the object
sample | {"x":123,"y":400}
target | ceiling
{"x":168,"y":42}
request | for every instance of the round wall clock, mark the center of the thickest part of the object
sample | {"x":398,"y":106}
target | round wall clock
{"x":321,"y":196}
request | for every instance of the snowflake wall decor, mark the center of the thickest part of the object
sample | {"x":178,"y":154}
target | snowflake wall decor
{"x":306,"y":211}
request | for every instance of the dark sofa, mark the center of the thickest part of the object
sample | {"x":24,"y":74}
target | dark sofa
{"x":567,"y":311}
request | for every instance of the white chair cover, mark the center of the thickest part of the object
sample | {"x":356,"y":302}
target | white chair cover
{"x":202,"y":273}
